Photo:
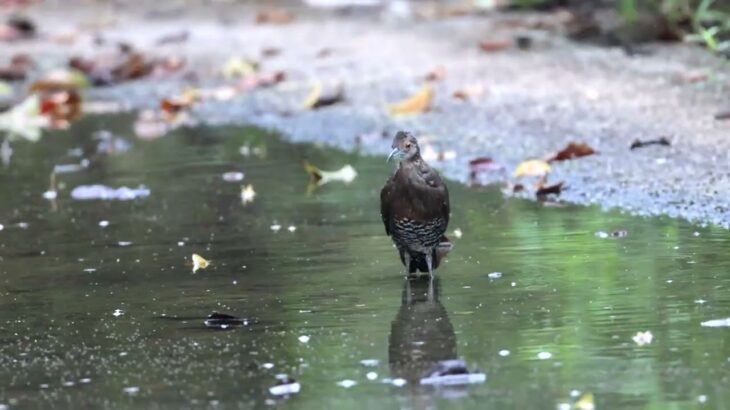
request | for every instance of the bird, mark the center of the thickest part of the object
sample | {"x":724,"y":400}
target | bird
{"x":414,"y":207}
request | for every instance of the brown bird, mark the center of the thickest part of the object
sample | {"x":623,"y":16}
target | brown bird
{"x":414,"y":205}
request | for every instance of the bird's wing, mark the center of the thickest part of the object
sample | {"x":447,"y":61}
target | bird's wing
{"x":439,"y":191}
{"x":385,"y":203}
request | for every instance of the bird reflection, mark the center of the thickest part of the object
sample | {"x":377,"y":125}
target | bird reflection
{"x":421,"y":335}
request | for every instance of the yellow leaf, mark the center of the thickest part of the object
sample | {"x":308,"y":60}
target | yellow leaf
{"x":313,"y":96}
{"x":415,"y":104}
{"x":585,"y":402}
{"x":532,"y":168}
{"x":199,"y":262}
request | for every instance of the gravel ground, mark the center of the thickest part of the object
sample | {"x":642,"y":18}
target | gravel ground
{"x":535,"y":100}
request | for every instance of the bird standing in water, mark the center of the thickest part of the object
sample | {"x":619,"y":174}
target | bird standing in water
{"x":414,"y":205}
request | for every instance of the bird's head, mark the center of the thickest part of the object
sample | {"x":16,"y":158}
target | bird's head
{"x":405,"y":146}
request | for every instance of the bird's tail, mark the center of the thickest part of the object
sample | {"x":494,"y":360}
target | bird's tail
{"x":418,"y":260}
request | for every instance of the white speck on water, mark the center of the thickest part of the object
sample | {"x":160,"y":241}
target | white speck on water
{"x":235,"y":282}
{"x":2,"y":227}
{"x":716,"y":323}
{"x":457,"y":233}
{"x":514,"y":284}
{"x":85,"y":380}
{"x":275,"y":227}
{"x":495,"y":275}
{"x":122,"y":354}
{"x":180,"y":243}
{"x":90,"y":270}
{"x":4,"y":406}
{"x":118,"y":312}
{"x":103,"y":224}
{"x":233,"y":176}
{"x":702,"y":398}
{"x":661,"y":161}
{"x":676,"y":247}
{"x":399,"y":382}
{"x":369,"y":362}
{"x":602,"y":234}
{"x":574,"y":393}
{"x":564,"y":406}
{"x":371,"y":375}
{"x":23,"y":225}
{"x":466,"y":287}
{"x":131,"y":390}
{"x":44,"y":386}
{"x":696,"y":233}
{"x":124,"y":243}
{"x":643,"y":338}
{"x":700,"y":301}
{"x":544,"y":355}
{"x":347,"y":383}
{"x":50,"y":195}
{"x":304,"y":338}
{"x":292,"y":228}
{"x":68,"y":384}
{"x":268,"y":365}
{"x":669,"y":281}
{"x":504,"y":352}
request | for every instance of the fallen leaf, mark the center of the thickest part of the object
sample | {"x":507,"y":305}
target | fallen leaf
{"x":173,"y":106}
{"x":415,"y":104}
{"x":491,"y":46}
{"x":532,"y":168}
{"x":237,"y":67}
{"x":60,"y":80}
{"x":723,"y":115}
{"x":640,"y":144}
{"x":247,"y":194}
{"x":345,"y":174}
{"x":199,"y":262}
{"x":17,"y":69}
{"x":585,"y":402}
{"x":572,"y":150}
{"x":437,"y":74}
{"x":62,"y":107}
{"x":317,"y":98}
{"x":274,"y":16}
{"x":469,"y":92}
{"x":643,"y":338}
{"x":482,"y":164}
{"x":543,"y":191}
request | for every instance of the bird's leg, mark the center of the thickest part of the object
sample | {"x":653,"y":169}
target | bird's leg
{"x":407,"y":259}
{"x":429,"y":263}
{"x":430,"y":295}
{"x":409,"y":294}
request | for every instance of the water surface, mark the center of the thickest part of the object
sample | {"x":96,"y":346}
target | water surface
{"x":557,"y":324}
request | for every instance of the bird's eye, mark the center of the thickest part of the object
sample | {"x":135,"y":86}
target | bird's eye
{"x":408,"y":145}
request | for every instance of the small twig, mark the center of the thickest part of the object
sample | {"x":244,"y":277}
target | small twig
{"x":640,"y":144}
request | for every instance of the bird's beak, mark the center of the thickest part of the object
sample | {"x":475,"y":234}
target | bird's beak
{"x":394,"y":153}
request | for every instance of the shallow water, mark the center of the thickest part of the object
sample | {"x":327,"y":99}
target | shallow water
{"x":564,"y":292}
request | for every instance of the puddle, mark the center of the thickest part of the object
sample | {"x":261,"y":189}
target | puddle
{"x":83,"y":317}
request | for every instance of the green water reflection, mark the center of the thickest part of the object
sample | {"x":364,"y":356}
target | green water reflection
{"x":337,"y":279}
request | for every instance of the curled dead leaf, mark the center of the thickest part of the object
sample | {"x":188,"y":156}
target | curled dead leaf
{"x":61,"y":107}
{"x":318,"y":97}
{"x":467,"y":93}
{"x":199,"y":262}
{"x":437,"y":74}
{"x":415,"y":104}
{"x":572,"y":150}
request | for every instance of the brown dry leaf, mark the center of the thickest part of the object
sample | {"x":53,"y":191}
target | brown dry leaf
{"x":274,"y":16}
{"x":18,"y":68}
{"x":437,"y":74}
{"x":572,"y":150}
{"x":318,"y":98}
{"x":415,"y":104}
{"x":532,"y":168}
{"x":491,"y":46}
{"x":62,"y":107}
{"x":60,"y":80}
{"x":543,"y":191}
{"x":172,"y":106}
